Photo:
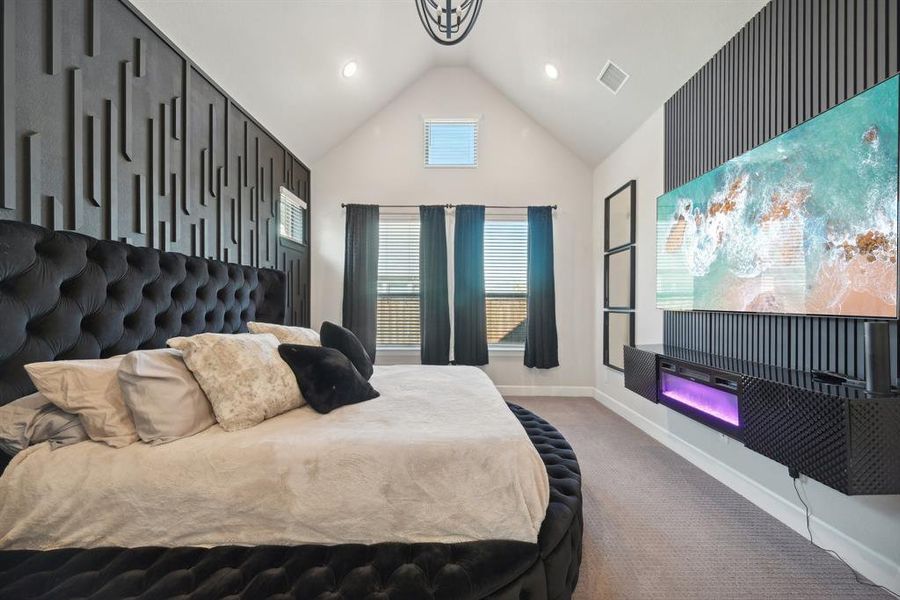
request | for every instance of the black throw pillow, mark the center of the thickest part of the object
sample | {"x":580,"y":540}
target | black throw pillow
{"x":326,"y":377}
{"x":342,"y":339}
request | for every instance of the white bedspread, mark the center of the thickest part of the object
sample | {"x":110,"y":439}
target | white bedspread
{"x":437,"y":458}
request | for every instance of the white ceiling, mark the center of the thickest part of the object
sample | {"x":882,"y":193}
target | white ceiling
{"x":281,"y":59}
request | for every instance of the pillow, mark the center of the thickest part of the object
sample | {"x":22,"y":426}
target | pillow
{"x":242,"y":375}
{"x":165,"y":400}
{"x":88,"y":388}
{"x":326,"y":377}
{"x":34,"y":419}
{"x":343,"y":340}
{"x":287,"y":335}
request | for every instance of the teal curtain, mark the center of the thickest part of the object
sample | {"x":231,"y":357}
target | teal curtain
{"x":434,"y":303}
{"x":469,"y":321}
{"x":541,"y":344}
{"x":360,"y":303}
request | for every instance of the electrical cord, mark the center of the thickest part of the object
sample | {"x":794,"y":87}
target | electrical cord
{"x":856,"y":575}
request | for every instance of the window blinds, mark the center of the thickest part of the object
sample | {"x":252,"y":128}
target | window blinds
{"x":398,"y":281}
{"x":451,"y":143}
{"x":292,"y":217}
{"x":506,"y":280}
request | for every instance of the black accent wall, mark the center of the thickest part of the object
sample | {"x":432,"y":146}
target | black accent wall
{"x":793,"y":60}
{"x":108,"y":129}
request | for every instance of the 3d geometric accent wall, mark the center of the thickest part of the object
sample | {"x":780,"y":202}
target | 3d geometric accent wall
{"x":108,"y":129}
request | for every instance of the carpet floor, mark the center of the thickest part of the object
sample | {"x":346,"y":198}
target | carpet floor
{"x":657,"y":527}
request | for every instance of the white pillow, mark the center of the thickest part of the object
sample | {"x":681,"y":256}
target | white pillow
{"x":88,"y":388}
{"x":242,"y":374}
{"x":33,"y":419}
{"x":287,"y":335}
{"x":165,"y":400}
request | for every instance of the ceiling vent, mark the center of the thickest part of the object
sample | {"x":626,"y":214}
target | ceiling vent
{"x":612,"y":77}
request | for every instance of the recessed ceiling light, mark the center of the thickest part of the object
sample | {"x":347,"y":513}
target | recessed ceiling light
{"x":551,"y":71}
{"x":349,"y":69}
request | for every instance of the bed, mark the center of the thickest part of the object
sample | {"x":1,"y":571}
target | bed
{"x":526,"y":544}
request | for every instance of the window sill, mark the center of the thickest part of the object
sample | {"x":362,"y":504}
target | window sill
{"x":504,"y":349}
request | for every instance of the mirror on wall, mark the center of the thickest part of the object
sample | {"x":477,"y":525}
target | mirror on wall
{"x":618,"y":331}
{"x":619,"y":279}
{"x":619,"y":273}
{"x":619,"y":227}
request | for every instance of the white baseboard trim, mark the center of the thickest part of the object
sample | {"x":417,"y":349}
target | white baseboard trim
{"x":871,"y":564}
{"x":569,"y":391}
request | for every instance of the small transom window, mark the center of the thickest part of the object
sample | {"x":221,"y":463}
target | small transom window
{"x":451,"y":143}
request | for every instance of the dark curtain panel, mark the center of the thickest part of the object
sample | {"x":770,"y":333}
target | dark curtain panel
{"x":541,"y":348}
{"x":360,"y":313}
{"x":470,"y":328}
{"x":434,"y":304}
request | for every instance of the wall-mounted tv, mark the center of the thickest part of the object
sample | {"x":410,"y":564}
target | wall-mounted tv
{"x":803,"y":224}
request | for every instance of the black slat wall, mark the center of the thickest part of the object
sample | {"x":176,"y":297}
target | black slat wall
{"x":110,"y":130}
{"x":793,"y":60}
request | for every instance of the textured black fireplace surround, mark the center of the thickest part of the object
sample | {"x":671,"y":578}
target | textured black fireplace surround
{"x":835,"y":434}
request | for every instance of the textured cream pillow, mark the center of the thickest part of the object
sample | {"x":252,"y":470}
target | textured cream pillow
{"x":287,"y":335}
{"x":90,"y":389}
{"x":165,"y":400}
{"x":242,"y":374}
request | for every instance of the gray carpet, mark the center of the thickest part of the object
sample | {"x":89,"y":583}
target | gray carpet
{"x":657,"y":527}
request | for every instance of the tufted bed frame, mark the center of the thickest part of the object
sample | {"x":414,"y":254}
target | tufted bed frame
{"x":68,"y":296}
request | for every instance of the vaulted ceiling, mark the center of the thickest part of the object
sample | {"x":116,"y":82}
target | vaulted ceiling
{"x":282,"y":59}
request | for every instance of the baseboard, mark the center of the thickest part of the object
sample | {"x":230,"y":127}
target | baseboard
{"x":569,"y":391}
{"x":871,"y":564}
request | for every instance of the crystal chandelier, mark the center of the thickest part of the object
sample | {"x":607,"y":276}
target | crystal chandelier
{"x":448,"y":22}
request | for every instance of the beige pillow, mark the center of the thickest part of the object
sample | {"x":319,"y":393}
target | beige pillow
{"x":242,"y":374}
{"x":287,"y":335}
{"x":88,"y":388}
{"x":165,"y":400}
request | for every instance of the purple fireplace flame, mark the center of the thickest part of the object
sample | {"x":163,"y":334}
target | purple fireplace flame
{"x":712,"y":401}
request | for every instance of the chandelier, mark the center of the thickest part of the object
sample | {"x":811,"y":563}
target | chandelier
{"x":448,"y":22}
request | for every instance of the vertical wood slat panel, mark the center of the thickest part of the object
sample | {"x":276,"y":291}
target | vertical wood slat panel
{"x":792,"y":61}
{"x":8,"y":108}
{"x":111,"y":225}
{"x":76,"y":149}
{"x":96,"y":144}
{"x":33,"y":177}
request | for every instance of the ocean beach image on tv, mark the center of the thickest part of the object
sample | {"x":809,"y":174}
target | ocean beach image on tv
{"x":803,"y":224}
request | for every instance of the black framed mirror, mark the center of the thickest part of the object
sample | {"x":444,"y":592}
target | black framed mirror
{"x":618,"y":217}
{"x":618,"y":332}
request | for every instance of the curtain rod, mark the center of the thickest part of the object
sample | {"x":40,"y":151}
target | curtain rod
{"x":344,"y":205}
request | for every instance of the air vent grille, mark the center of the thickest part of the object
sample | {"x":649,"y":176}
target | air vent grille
{"x":612,"y":77}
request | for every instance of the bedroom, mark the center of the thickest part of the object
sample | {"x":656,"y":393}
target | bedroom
{"x":532,"y":314}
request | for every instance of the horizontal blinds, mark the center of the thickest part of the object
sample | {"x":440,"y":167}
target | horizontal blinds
{"x":398,"y":282}
{"x":451,"y":143}
{"x":292,"y":217}
{"x":505,"y":280}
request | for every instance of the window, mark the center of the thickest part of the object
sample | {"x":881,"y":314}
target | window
{"x":398,"y":281}
{"x":451,"y":143}
{"x":506,"y":280}
{"x":292,"y":217}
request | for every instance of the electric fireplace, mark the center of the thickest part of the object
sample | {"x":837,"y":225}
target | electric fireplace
{"x":709,"y":397}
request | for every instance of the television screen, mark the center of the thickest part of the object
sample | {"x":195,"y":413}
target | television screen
{"x":803,"y":224}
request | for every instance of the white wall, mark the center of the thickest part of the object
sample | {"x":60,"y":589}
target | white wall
{"x":864,"y":530}
{"x":518,"y":163}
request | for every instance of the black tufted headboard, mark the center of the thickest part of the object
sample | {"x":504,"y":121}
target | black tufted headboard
{"x":64,"y":295}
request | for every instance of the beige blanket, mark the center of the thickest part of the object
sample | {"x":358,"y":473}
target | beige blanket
{"x":437,"y":458}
